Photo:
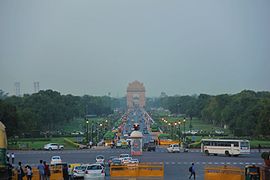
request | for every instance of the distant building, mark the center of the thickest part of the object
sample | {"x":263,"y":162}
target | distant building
{"x":136,"y":95}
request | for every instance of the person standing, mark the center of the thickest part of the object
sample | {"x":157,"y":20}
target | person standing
{"x":192,"y":171}
{"x":47,"y":171}
{"x":12,"y":158}
{"x":8,"y":156}
{"x":41,"y":170}
{"x":29,"y":172}
{"x":259,"y":147}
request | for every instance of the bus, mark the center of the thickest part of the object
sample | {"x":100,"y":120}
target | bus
{"x":228,"y":147}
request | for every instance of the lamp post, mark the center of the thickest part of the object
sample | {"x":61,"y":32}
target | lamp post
{"x":184,"y":121}
{"x":179,"y":130}
{"x":100,"y":125}
{"x":87,"y":137}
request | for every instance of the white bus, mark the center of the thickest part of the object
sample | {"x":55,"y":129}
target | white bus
{"x":229,"y":147}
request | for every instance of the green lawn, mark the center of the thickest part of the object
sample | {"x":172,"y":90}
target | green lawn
{"x":197,"y":124}
{"x":38,"y":144}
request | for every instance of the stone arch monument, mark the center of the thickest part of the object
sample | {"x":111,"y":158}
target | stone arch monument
{"x":135,"y":95}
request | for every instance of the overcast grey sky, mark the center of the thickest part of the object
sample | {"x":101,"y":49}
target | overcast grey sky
{"x":95,"y":47}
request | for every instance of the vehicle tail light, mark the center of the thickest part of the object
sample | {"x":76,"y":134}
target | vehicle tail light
{"x":75,"y":171}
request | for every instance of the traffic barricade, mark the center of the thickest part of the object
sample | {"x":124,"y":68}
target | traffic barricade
{"x":151,"y":170}
{"x":223,"y":172}
{"x":56,"y":173}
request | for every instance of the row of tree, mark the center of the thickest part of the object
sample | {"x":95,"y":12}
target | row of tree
{"x":246,"y":113}
{"x":46,"y":110}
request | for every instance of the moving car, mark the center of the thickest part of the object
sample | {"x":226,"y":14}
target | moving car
{"x":53,"y":146}
{"x":100,"y":158}
{"x":116,"y":162}
{"x":122,"y":156}
{"x":173,"y":148}
{"x":110,"y":160}
{"x":56,"y":160}
{"x":126,"y":160}
{"x":94,"y":171}
{"x":78,"y":171}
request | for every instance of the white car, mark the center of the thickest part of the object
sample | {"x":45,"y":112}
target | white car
{"x":78,"y":171}
{"x":94,"y":171}
{"x":100,"y":159}
{"x":53,"y":146}
{"x":134,"y":161}
{"x":122,"y":156}
{"x":173,"y":148}
{"x":56,"y":160}
{"x":126,"y":160}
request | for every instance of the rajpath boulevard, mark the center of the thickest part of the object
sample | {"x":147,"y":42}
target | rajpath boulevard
{"x":175,"y":164}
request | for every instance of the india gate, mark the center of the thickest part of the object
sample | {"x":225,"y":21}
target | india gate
{"x":135,"y":95}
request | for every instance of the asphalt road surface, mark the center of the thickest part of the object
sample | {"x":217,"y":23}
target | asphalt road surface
{"x":175,"y":164}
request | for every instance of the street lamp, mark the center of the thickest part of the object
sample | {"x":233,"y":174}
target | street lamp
{"x":87,"y":138}
{"x":179,"y":130}
{"x":184,"y":121}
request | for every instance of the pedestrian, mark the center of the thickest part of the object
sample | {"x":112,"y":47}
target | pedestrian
{"x":12,"y":158}
{"x":29,"y":172}
{"x":20,"y":171}
{"x":192,"y":171}
{"x":69,"y":172}
{"x":8,"y":156}
{"x":47,"y":171}
{"x":259,"y":148}
{"x":10,"y":168}
{"x":90,"y":144}
{"x":41,"y":170}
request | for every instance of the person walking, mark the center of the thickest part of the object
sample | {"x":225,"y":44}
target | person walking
{"x":12,"y":158}
{"x":259,"y":147}
{"x":47,"y":171}
{"x":20,"y":172}
{"x":192,"y":171}
{"x":29,"y":172}
{"x":41,"y":170}
{"x":8,"y":156}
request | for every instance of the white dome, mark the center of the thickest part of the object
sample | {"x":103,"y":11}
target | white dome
{"x":136,"y":134}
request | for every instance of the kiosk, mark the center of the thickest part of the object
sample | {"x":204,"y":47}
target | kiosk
{"x":136,"y":143}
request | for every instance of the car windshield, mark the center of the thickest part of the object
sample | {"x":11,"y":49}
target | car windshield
{"x":94,"y":167}
{"x":176,"y":145}
{"x":80,"y":168}
{"x":55,"y":158}
{"x":124,"y":155}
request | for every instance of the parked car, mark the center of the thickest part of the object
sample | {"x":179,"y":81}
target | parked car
{"x":56,"y":160}
{"x":94,"y":171}
{"x":78,"y":171}
{"x":53,"y":146}
{"x":173,"y":148}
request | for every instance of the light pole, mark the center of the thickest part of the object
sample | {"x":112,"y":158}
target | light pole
{"x":87,"y":137}
{"x":179,"y":130}
{"x":184,"y":121}
{"x":100,"y":125}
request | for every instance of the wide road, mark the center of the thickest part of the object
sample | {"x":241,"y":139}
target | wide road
{"x":176,"y":164}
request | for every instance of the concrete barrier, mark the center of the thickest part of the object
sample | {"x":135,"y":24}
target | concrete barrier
{"x":223,"y":172}
{"x":150,"y":170}
{"x":56,"y":173}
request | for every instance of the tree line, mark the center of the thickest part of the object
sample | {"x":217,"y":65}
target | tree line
{"x":246,"y":113}
{"x":48,"y":109}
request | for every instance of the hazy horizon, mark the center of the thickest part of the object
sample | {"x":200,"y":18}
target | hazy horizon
{"x":96,"y":48}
